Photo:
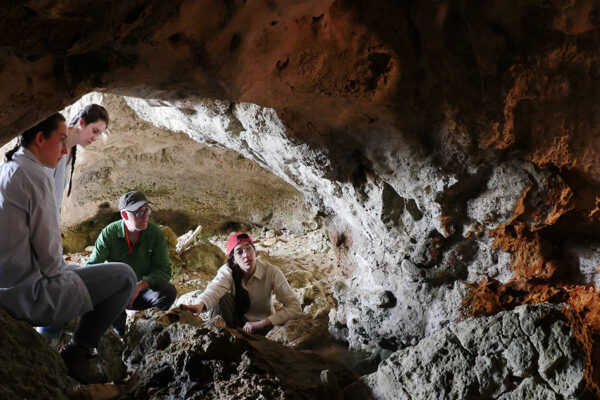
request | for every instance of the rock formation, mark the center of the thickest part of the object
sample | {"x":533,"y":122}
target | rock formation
{"x":450,"y":146}
{"x":526,"y":353}
{"x":178,"y":357}
{"x":28,"y":367}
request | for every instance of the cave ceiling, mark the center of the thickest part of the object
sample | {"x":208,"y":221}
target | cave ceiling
{"x":501,"y":76}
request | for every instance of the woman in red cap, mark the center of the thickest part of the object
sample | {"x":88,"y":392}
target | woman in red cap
{"x":241,"y":290}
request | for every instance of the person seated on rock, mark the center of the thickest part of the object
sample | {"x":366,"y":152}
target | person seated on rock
{"x":87,"y":125}
{"x":36,"y":284}
{"x":241,"y":291}
{"x":142,"y":245}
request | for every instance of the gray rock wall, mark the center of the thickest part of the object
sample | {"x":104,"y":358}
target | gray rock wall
{"x":528,"y":353}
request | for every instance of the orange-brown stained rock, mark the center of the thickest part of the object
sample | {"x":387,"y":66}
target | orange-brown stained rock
{"x":582,"y":314}
{"x":539,"y":274}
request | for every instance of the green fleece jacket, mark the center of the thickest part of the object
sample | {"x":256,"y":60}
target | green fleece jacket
{"x":149,"y":258}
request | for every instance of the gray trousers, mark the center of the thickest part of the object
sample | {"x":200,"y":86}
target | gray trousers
{"x":110,"y":286}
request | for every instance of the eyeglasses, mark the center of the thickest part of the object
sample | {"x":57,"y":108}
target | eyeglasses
{"x":141,"y":213}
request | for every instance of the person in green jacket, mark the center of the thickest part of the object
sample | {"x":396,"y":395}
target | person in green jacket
{"x":136,"y":241}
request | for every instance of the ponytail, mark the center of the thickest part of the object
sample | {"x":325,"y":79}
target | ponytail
{"x":90,"y":114}
{"x":242,"y":298}
{"x":73,"y":155}
{"x":47,"y":126}
{"x":9,"y":154}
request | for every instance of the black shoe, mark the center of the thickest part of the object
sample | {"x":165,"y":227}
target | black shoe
{"x":82,"y":364}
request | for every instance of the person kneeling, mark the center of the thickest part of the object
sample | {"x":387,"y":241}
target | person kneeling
{"x":241,"y":290}
{"x":142,"y":245}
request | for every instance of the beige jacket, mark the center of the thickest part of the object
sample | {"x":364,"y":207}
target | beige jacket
{"x":267,"y":279}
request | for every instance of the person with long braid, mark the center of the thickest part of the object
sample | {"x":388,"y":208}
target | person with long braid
{"x":241,"y":291}
{"x":36,"y":284}
{"x":84,"y":129}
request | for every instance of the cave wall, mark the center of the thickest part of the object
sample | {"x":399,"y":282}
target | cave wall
{"x":451,"y":145}
{"x":189,"y":183}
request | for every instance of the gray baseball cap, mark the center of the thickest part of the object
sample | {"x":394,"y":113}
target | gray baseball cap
{"x":132,"y":201}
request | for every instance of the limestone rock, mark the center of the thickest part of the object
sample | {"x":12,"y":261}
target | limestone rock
{"x":171,"y":237}
{"x":526,"y":353}
{"x":309,"y":292}
{"x":29,"y":368}
{"x":304,"y":332}
{"x":203,"y":256}
{"x":188,"y":182}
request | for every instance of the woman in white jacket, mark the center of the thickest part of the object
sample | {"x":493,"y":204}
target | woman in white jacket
{"x":84,"y":129}
{"x":241,"y":291}
{"x":36,"y":284}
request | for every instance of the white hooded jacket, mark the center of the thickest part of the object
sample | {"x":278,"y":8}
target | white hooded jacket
{"x":35,"y":284}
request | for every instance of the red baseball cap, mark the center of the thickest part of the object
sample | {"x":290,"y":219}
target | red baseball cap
{"x":236,"y":239}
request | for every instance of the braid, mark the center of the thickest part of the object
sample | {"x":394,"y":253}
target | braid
{"x":90,"y":113}
{"x":47,"y":126}
{"x":73,"y":156}
{"x":9,"y":154}
{"x":242,"y":298}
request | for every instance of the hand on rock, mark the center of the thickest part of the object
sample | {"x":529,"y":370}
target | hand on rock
{"x":196,"y":309}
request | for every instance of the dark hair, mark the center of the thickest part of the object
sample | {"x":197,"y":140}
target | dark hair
{"x":242,"y":298}
{"x":90,"y":114}
{"x":47,"y":126}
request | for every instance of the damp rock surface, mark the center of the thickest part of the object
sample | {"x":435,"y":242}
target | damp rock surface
{"x":29,"y":368}
{"x":526,"y":353}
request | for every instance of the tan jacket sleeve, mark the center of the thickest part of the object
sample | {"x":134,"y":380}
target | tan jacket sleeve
{"x":221,"y":284}
{"x":285,"y":295}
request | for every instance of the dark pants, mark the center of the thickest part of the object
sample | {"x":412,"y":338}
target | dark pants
{"x":226,"y":309}
{"x":162,"y":296}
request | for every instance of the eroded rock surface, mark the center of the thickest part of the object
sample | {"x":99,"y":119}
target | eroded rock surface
{"x":178,"y":356}
{"x":527,"y":353}
{"x":29,"y":368}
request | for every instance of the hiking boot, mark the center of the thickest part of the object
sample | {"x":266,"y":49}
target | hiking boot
{"x":83,"y":364}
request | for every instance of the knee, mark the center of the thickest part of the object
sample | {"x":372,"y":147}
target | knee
{"x":168,"y":292}
{"x":171,"y":293}
{"x":129,"y":276}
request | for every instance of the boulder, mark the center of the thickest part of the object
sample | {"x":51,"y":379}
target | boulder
{"x":527,"y":353}
{"x":29,"y":368}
